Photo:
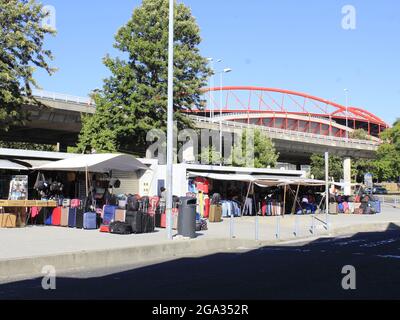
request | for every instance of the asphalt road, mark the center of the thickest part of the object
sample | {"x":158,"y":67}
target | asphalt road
{"x":296,"y":271}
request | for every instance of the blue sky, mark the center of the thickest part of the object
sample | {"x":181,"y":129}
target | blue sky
{"x":296,"y":45}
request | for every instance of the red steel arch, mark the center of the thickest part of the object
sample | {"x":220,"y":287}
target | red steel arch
{"x":280,"y":107}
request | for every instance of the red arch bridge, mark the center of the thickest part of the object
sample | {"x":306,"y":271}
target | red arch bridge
{"x":288,"y":110}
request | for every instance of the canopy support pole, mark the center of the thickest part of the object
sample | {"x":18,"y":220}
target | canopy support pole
{"x":87,"y":181}
{"x":295,"y":199}
{"x":284,"y":201}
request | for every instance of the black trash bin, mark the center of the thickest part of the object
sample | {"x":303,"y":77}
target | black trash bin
{"x":187,"y":217}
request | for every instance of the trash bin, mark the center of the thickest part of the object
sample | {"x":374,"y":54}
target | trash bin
{"x":187,"y":217}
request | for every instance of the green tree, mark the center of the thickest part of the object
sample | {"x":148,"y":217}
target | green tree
{"x":318,"y":167}
{"x":265,"y":154}
{"x":210,"y":155}
{"x":359,"y":134}
{"x":134,"y":98}
{"x":27,"y":146}
{"x":387,"y":163}
{"x":21,"y":53}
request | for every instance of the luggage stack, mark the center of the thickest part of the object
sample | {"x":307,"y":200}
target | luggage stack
{"x":355,"y":205}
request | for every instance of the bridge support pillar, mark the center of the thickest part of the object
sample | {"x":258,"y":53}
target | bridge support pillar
{"x":347,"y":176}
{"x":61,"y":147}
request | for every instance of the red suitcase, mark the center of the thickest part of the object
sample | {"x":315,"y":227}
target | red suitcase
{"x":153,"y":204}
{"x":56,"y":217}
{"x":206,"y":207}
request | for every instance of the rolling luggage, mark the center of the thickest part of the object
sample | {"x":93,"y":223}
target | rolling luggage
{"x":157,"y":220}
{"x":148,"y":223}
{"x":333,"y":208}
{"x":64,"y":217}
{"x":135,"y":220}
{"x":108,"y":214}
{"x":48,"y":216}
{"x":132,"y":203}
{"x":358,"y":211}
{"x":79,"y":219}
{"x":376,"y":206}
{"x":75,"y":203}
{"x":206,"y":207}
{"x":56,"y":216}
{"x":120,"y":215}
{"x":352,"y":206}
{"x":66,"y":202}
{"x":215,"y":213}
{"x":346,"y":207}
{"x":118,"y":227}
{"x":153,"y":204}
{"x":72,"y":217}
{"x":105,"y":228}
{"x":90,"y":221}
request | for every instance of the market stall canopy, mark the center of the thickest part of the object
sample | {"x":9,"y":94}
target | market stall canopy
{"x":104,"y":162}
{"x":9,"y":165}
{"x":261,"y":180}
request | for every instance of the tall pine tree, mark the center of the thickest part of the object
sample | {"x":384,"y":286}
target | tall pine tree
{"x":134,"y":98}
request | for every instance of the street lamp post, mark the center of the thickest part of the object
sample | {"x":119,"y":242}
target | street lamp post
{"x":226,"y":70}
{"x":212,"y":84}
{"x":170,"y":120}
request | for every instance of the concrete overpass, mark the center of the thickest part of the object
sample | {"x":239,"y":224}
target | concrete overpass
{"x":60,"y":122}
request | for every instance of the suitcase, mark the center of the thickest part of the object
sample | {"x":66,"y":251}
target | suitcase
{"x":64,"y":217}
{"x":147,"y":223}
{"x":118,"y":227}
{"x":108,"y":214}
{"x":66,"y":202}
{"x":215,"y":213}
{"x":376,"y":206}
{"x":358,"y":211}
{"x":122,"y":204}
{"x":157,"y":220}
{"x":135,"y":220}
{"x":48,"y":216}
{"x":56,"y":219}
{"x":132,"y":203}
{"x":333,"y":208}
{"x":206,"y":207}
{"x":105,"y":228}
{"x":163,"y":222}
{"x":8,"y":220}
{"x":72,"y":218}
{"x":90,"y":221}
{"x":153,"y":204}
{"x":352,"y":206}
{"x":79,"y":219}
{"x":120,"y":215}
{"x":75,"y":203}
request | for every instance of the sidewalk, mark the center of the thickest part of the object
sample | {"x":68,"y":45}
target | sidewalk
{"x":25,"y":251}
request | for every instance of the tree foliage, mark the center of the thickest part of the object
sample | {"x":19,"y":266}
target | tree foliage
{"x":134,"y":98}
{"x":318,"y":167}
{"x":21,"y":53}
{"x":359,"y":134}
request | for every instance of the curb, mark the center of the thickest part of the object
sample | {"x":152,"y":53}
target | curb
{"x":67,"y":262}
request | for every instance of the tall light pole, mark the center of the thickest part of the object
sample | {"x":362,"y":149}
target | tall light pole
{"x":170,"y":120}
{"x":212,"y":84}
{"x":226,"y":70}
{"x":346,"y":92}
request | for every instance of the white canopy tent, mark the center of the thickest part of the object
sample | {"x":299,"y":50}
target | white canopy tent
{"x":9,"y":165}
{"x":97,"y":163}
{"x":100,"y":163}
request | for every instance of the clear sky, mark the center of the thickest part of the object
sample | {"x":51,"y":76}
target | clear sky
{"x":288,"y":44}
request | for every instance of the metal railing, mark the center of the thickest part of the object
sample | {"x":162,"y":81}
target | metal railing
{"x":389,"y":200}
{"x":292,"y":133}
{"x":47,"y":95}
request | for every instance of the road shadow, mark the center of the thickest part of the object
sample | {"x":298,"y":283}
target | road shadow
{"x":300,"y":271}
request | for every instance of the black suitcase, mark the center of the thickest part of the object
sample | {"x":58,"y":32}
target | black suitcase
{"x":157,"y":220}
{"x":135,"y":219}
{"x":118,"y":227}
{"x":148,"y":223}
{"x":79,"y":219}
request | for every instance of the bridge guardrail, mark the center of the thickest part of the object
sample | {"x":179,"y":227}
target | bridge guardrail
{"x":62,"y":97}
{"x":282,"y":131}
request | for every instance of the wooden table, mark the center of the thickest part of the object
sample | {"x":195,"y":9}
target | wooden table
{"x":21,"y":205}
